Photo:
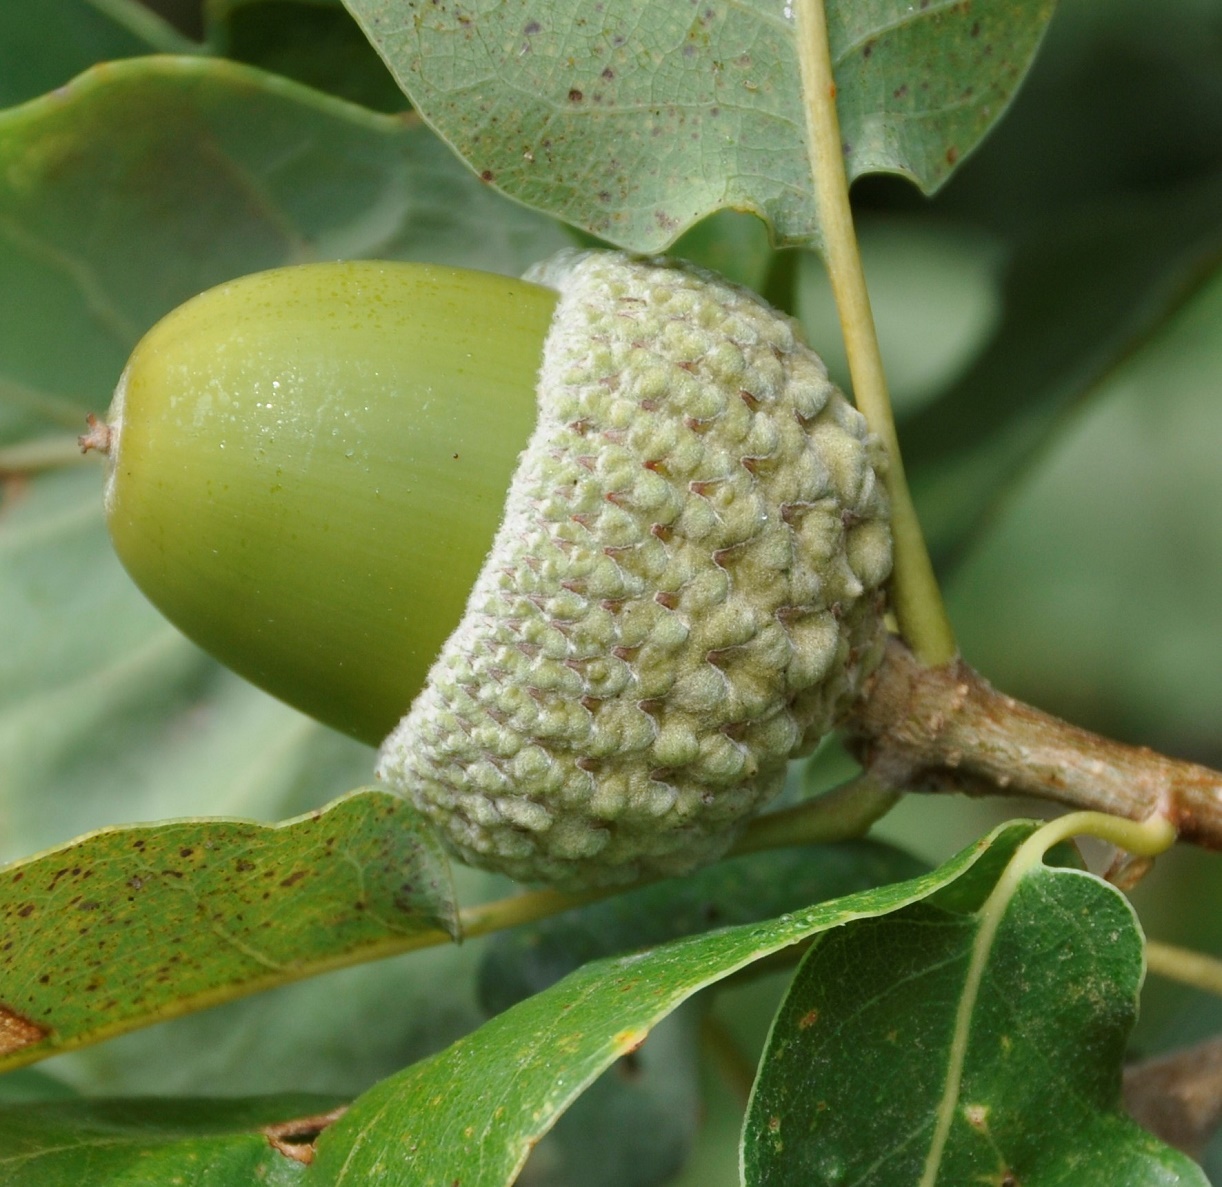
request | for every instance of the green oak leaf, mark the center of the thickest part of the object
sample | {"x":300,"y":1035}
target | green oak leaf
{"x":474,"y":1112}
{"x":43,"y":43}
{"x":973,"y":1039}
{"x":635,"y":1125}
{"x":152,"y":1143}
{"x":633,"y":121}
{"x":132,"y":925}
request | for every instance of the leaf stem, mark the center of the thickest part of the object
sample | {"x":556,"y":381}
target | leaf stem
{"x":915,"y":595}
{"x":1146,"y":839}
{"x":845,"y":812}
{"x":1185,"y":966}
{"x":527,"y":907}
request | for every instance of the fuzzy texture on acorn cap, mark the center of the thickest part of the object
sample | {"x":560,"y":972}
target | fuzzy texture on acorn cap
{"x":685,"y":592}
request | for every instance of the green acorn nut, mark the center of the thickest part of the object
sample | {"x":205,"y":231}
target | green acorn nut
{"x":684,"y":590}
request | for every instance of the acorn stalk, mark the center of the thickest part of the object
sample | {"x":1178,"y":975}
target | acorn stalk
{"x":674,"y":589}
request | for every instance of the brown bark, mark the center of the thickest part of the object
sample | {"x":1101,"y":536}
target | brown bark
{"x":948,"y":729}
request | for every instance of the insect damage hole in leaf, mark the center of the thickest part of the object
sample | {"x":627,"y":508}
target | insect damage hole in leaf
{"x":295,"y":1138}
{"x":17,"y":1031}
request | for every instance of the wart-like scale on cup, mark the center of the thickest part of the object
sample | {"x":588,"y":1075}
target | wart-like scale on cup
{"x":685,"y":591}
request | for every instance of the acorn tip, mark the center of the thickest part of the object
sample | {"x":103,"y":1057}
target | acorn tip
{"x":98,"y":437}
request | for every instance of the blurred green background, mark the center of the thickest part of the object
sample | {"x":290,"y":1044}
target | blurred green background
{"x":1052,"y":324}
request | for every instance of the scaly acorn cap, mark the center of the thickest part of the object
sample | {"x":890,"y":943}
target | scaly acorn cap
{"x":684,"y":593}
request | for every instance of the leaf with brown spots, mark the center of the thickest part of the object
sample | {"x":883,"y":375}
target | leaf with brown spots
{"x":129,"y":926}
{"x":634,"y":121}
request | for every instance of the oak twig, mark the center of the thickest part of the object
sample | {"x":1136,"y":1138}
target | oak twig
{"x":948,"y":729}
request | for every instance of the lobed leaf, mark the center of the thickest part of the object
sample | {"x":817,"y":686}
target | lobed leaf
{"x":634,"y":121}
{"x":924,"y":1048}
{"x":131,"y":925}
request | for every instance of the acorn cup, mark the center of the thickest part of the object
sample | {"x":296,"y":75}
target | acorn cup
{"x":609,"y":537}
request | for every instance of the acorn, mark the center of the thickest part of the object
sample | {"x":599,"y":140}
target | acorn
{"x":609,"y":535}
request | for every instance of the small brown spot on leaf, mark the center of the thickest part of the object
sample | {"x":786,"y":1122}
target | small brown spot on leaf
{"x":808,"y":1019}
{"x":952,"y":155}
{"x":17,"y":1031}
{"x":487,"y":175}
{"x":575,"y":96}
{"x":628,"y":1042}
